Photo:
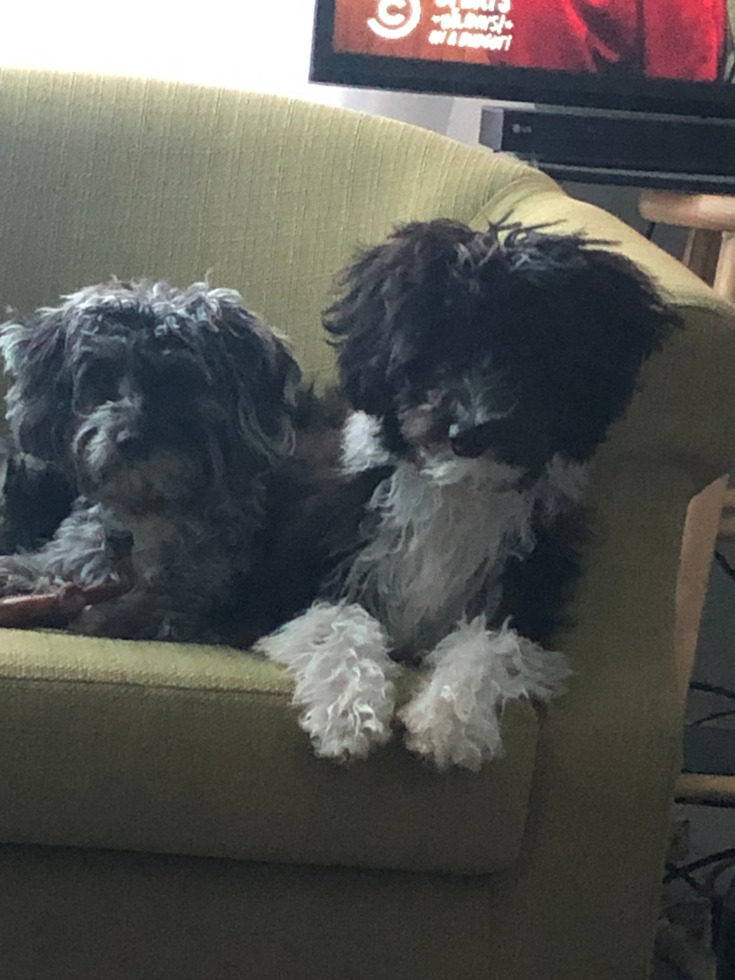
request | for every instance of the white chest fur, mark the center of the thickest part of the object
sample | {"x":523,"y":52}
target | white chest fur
{"x":435,"y":546}
{"x":443,"y":531}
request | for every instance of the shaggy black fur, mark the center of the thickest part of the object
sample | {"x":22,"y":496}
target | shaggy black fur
{"x":36,"y":498}
{"x":554,"y":329}
{"x":516,"y":343}
{"x":315,"y":515}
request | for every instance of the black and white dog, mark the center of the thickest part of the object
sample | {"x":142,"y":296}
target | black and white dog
{"x":483,"y":369}
{"x":161,"y":413}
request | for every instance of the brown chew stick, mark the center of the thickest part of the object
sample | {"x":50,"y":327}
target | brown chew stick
{"x":55,"y":608}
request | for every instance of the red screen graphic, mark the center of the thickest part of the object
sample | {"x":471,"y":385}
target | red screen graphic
{"x":674,"y":39}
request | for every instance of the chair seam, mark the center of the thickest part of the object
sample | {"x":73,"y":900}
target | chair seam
{"x":145,"y":685}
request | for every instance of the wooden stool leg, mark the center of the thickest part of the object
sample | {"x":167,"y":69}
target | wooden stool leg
{"x":702,"y":252}
{"x":700,"y":534}
{"x":698,"y":545}
{"x":724,"y":281}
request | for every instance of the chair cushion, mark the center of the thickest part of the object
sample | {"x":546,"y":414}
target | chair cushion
{"x":196,"y":750}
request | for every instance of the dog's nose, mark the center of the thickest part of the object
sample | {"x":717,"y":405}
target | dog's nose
{"x":118,"y":544}
{"x":469,"y":443}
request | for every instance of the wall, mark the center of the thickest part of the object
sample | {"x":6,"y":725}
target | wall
{"x":262,"y":45}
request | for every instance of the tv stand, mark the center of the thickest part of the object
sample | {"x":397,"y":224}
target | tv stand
{"x":613,"y":147}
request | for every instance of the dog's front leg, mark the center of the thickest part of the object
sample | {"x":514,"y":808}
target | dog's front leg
{"x":456,"y":718}
{"x":75,"y":554}
{"x":338,"y":657}
{"x":24,"y":574}
{"x":141,"y":615}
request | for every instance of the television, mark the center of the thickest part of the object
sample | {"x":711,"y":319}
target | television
{"x":607,"y":89}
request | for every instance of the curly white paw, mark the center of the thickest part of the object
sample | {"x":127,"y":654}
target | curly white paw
{"x":338,"y":656}
{"x":440,"y":730}
{"x":355,"y":719}
{"x":456,"y":719}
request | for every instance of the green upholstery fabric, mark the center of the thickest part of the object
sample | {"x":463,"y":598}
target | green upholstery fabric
{"x":135,"y":178}
{"x":194,"y":750}
{"x":200,"y":826}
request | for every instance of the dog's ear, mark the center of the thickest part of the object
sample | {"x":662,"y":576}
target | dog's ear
{"x":369,"y":294}
{"x":279,"y":379}
{"x":357,"y":319}
{"x":591,"y":317}
{"x":39,"y":398}
{"x":387,"y":302}
{"x":259,"y":374}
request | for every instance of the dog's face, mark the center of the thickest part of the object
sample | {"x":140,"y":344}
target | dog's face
{"x":512,"y":344}
{"x":144,"y":394}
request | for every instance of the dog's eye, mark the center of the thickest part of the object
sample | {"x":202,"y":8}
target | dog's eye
{"x":98,"y":384}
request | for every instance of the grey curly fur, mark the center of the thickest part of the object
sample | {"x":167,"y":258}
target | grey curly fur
{"x":166,"y":411}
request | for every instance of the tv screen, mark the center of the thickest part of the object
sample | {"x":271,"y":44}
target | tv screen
{"x":665,"y":56}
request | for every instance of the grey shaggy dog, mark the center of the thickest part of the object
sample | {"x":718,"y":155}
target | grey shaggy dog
{"x":165,"y":412}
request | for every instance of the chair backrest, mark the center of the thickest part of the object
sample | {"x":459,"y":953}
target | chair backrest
{"x":110,"y":176}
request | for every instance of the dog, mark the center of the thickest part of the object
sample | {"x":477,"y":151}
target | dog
{"x":158,"y":415}
{"x":482,"y":371}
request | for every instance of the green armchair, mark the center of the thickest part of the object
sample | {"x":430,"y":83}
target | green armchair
{"x":161,"y":813}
